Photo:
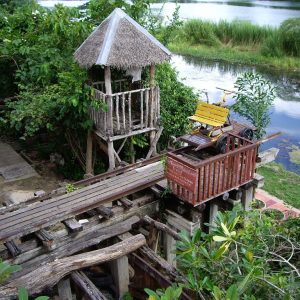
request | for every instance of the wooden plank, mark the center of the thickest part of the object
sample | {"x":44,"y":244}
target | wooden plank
{"x":105,"y":212}
{"x":81,"y":205}
{"x":130,"y":176}
{"x":126,"y":202}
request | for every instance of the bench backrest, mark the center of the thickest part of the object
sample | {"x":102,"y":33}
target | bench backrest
{"x":210,"y":114}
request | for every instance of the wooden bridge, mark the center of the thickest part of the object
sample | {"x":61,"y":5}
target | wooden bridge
{"x":44,"y":213}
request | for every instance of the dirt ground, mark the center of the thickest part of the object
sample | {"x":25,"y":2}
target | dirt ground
{"x":23,"y":189}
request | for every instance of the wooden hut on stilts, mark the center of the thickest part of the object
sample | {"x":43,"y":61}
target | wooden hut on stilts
{"x":120,"y":43}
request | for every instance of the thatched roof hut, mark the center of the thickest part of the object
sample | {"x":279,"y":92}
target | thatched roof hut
{"x":121,"y":42}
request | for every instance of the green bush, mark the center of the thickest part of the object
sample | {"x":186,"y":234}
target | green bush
{"x":290,"y":35}
{"x":272,"y":47}
{"x":200,"y":32}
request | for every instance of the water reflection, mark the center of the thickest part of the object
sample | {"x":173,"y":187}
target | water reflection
{"x":285,"y":114}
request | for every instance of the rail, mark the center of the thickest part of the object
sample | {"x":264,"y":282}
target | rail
{"x":126,"y":112}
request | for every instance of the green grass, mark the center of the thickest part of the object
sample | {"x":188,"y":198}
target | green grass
{"x":241,"y":42}
{"x":235,"y":55}
{"x":281,"y":183}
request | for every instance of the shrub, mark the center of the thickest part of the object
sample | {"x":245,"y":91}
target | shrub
{"x":290,"y":35}
{"x":200,"y":32}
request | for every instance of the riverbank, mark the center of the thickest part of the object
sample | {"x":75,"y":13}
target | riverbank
{"x":235,"y":55}
{"x":281,"y":183}
{"x":241,"y":42}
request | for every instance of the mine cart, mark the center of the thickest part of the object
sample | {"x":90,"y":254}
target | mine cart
{"x":198,"y":176}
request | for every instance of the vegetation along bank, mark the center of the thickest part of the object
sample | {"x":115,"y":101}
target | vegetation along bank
{"x":241,"y":42}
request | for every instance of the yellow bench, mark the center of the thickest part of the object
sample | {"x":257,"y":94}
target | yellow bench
{"x":210,"y":114}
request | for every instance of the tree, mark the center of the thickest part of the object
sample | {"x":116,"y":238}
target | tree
{"x":253,"y":100}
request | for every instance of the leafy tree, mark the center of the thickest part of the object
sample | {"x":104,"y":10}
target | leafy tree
{"x":254,"y":97}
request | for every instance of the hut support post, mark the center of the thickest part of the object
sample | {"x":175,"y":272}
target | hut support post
{"x":132,"y":152}
{"x":247,"y":196}
{"x":170,"y":248}
{"x":152,"y":83}
{"x":111,"y":156}
{"x":89,"y":154}
{"x":120,"y":272}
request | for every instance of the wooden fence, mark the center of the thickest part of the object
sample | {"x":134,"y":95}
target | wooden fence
{"x":125,"y":112}
{"x":201,"y":181}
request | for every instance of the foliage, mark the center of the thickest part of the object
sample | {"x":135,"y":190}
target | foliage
{"x":254,"y":97}
{"x":171,"y":293}
{"x":6,"y":270}
{"x":290,"y":36}
{"x":281,"y":183}
{"x":246,"y":255}
{"x":23,"y":295}
{"x":177,"y":103}
{"x":70,"y":188}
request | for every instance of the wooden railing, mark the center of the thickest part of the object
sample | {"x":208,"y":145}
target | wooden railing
{"x":202,"y":181}
{"x":127,"y":112}
{"x":117,"y":86}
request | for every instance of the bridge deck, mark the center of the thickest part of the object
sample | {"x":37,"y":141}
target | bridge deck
{"x":42,"y":214}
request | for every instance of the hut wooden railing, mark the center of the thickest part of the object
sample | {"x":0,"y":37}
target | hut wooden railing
{"x":199,"y":182}
{"x":117,"y":86}
{"x":127,"y":113}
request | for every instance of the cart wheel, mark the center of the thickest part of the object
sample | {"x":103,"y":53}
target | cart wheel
{"x":247,"y":133}
{"x":221,"y":144}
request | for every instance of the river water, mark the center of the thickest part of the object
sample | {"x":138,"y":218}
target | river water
{"x":199,"y":74}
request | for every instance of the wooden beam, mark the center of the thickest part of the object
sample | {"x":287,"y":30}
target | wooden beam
{"x":87,"y":286}
{"x":162,"y":227}
{"x":126,"y":202}
{"x":48,"y":275}
{"x":153,"y":143}
{"x":13,"y":248}
{"x":105,"y":211}
{"x":46,"y":238}
{"x":111,"y":157}
{"x":73,"y":225}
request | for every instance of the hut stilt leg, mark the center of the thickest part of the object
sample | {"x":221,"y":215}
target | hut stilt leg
{"x":111,"y":157}
{"x":132,"y":152}
{"x":89,"y":154}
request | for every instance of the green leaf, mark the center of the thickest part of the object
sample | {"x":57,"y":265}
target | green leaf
{"x":42,"y":298}
{"x":22,"y":294}
{"x":226,"y":231}
{"x":219,"y":238}
{"x":232,"y":293}
{"x":249,"y":255}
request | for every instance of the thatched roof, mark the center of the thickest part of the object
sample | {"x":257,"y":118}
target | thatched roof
{"x":121,"y":42}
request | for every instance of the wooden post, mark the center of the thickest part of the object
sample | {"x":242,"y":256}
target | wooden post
{"x":170,"y":248}
{"x":152,"y":84}
{"x":64,"y":289}
{"x":89,"y":153}
{"x":213,"y":210}
{"x":120,"y":272}
{"x":132,"y":153}
{"x":111,"y":157}
{"x":107,"y":80}
{"x":247,"y":197}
